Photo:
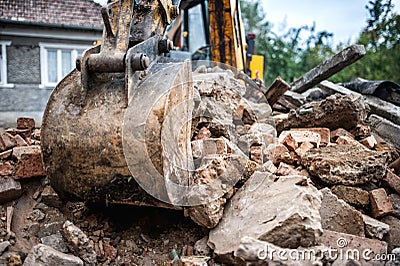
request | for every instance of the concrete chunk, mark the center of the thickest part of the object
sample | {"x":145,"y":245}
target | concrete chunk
{"x":283,"y":211}
{"x":78,"y":243}
{"x":375,"y":228}
{"x":392,"y":180}
{"x":338,"y":216}
{"x":352,"y":195}
{"x":345,"y":164}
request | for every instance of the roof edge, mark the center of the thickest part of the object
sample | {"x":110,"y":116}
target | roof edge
{"x":53,"y":25}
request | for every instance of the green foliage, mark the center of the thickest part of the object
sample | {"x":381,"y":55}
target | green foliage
{"x":293,"y":53}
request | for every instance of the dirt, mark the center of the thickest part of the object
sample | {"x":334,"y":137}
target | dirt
{"x":140,"y":235}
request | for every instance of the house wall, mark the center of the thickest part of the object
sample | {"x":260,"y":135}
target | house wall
{"x":27,"y":97}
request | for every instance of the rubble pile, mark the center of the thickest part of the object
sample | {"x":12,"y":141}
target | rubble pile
{"x":316,"y":179}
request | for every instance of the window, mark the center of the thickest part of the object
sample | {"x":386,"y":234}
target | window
{"x":57,"y":60}
{"x":3,"y":64}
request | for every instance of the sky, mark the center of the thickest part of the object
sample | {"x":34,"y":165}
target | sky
{"x":343,"y":18}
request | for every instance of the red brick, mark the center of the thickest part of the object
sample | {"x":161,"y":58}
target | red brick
{"x":340,"y":132}
{"x":393,"y":180}
{"x":369,"y":142}
{"x":6,"y":169}
{"x":380,"y":203}
{"x":290,"y":142}
{"x":304,"y":147}
{"x":324,"y":133}
{"x":281,"y":154}
{"x":29,"y":162}
{"x":25,"y":123}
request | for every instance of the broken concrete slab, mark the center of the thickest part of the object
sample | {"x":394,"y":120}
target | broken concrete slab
{"x":283,"y":211}
{"x":281,"y":154}
{"x":207,"y":215}
{"x":345,"y":111}
{"x":42,"y":255}
{"x":286,"y":170}
{"x":364,"y":249}
{"x":3,"y":246}
{"x":10,"y":189}
{"x":369,"y":142}
{"x":5,"y":154}
{"x":375,"y":228}
{"x":304,"y":148}
{"x":78,"y":243}
{"x":324,"y":133}
{"x":380,"y":203}
{"x":352,"y":195}
{"x":338,"y":216}
{"x":345,"y":164}
{"x":195,"y":260}
{"x":201,"y":247}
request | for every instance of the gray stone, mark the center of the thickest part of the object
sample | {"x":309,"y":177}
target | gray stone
{"x":78,"y":243}
{"x":279,"y":210}
{"x":50,"y":197}
{"x":55,"y":241}
{"x":10,"y":189}
{"x":352,"y":195}
{"x":385,"y":129}
{"x":395,"y":200}
{"x":49,"y":229}
{"x":396,"y":260}
{"x":3,"y":246}
{"x":345,"y":164}
{"x":201,"y":247}
{"x":375,"y":228}
{"x":194,"y":260}
{"x":393,"y":237}
{"x":338,"y":216}
{"x":42,"y":255}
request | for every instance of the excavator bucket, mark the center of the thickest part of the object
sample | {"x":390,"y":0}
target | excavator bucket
{"x":107,"y":117}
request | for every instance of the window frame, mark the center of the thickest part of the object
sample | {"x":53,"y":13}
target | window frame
{"x":44,"y":57}
{"x":3,"y":73}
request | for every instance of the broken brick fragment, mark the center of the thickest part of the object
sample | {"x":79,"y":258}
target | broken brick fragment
{"x":304,"y":147}
{"x":25,"y":123}
{"x":340,"y":132}
{"x":29,"y":162}
{"x":361,"y":132}
{"x":6,"y":169}
{"x":5,"y":154}
{"x":301,"y":136}
{"x":290,"y":142}
{"x":369,"y":142}
{"x":380,"y":203}
{"x":20,"y":141}
{"x":6,"y":141}
{"x":282,"y":154}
